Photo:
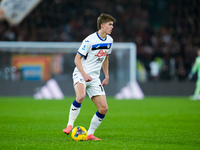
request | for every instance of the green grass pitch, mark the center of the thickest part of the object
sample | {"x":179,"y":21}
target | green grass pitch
{"x":155,"y":123}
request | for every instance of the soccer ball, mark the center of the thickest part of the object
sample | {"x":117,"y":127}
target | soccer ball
{"x":79,"y":133}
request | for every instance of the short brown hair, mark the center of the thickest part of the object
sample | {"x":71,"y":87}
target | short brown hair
{"x":104,"y":18}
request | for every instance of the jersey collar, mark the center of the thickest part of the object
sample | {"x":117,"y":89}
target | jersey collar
{"x":100,"y":37}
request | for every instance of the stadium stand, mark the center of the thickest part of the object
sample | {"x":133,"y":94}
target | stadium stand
{"x":166,"y":32}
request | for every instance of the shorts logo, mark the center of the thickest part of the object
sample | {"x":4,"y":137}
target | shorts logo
{"x":101,"y":53}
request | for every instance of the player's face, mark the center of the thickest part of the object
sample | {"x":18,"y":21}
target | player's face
{"x":107,"y":27}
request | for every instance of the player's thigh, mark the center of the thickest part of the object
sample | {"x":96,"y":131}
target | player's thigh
{"x":95,"y":88}
{"x":101,"y":103}
{"x":80,"y":92}
{"x":79,"y":86}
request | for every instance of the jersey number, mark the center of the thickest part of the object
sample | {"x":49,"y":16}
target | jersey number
{"x":101,"y":87}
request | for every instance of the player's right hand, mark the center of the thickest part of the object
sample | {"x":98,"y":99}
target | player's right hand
{"x":87,"y":78}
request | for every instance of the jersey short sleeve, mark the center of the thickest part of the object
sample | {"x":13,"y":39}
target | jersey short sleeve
{"x":110,"y":44}
{"x":84,"y":48}
{"x":110,"y":50}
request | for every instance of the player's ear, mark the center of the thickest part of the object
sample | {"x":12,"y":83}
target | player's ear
{"x":102,"y":25}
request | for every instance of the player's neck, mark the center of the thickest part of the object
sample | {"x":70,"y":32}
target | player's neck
{"x":102,"y":34}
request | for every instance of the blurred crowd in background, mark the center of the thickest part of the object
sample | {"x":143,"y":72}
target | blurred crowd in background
{"x":167,"y":32}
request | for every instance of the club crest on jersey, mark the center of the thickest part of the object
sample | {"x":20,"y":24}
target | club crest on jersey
{"x":101,"y":53}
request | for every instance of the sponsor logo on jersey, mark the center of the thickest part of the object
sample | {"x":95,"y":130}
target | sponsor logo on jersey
{"x":101,"y":53}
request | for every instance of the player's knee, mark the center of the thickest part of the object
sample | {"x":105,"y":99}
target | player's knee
{"x":103,"y":110}
{"x":106,"y":109}
{"x":80,"y":98}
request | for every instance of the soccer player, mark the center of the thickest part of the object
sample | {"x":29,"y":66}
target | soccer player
{"x":196,"y":68}
{"x":91,"y":57}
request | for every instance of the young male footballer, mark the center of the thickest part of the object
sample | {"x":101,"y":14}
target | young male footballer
{"x":91,"y":57}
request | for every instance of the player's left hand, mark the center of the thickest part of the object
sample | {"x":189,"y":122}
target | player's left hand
{"x":105,"y":81}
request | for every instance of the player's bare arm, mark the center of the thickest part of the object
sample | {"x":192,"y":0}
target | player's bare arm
{"x":106,"y":71}
{"x":78,"y":64}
